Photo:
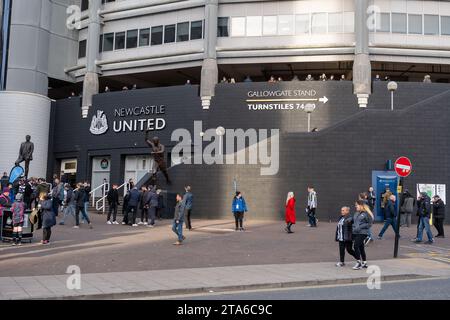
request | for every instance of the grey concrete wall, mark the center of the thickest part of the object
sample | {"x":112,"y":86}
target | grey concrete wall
{"x":22,"y":114}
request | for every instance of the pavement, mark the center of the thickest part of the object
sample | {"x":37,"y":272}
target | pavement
{"x":123,"y":262}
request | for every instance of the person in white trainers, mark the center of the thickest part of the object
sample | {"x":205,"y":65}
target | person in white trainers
{"x":344,"y":235}
{"x":362,"y":220}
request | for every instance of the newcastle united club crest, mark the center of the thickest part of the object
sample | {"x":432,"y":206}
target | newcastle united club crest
{"x":99,"y":123}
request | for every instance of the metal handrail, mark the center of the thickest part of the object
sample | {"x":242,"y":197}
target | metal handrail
{"x":102,"y":200}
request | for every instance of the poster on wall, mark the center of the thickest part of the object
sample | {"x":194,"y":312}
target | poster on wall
{"x":432,"y":190}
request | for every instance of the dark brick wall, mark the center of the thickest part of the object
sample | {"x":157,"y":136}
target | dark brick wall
{"x":338,"y":160}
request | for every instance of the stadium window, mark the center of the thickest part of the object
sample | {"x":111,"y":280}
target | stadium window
{"x":319,"y":22}
{"x":383,"y":22}
{"x":238,"y":26}
{"x":169,"y":33}
{"x":254,"y":26}
{"x":100,"y":44}
{"x":119,"y":40}
{"x":285,"y":25}
{"x":132,"y":38}
{"x":270,"y":25}
{"x":431,"y":24}
{"x":196,"y":30}
{"x":82,"y":49}
{"x":157,"y":35}
{"x":302,"y":24}
{"x":349,"y":22}
{"x":335,"y":23}
{"x":222,"y":27}
{"x":108,"y":41}
{"x":398,"y":22}
{"x":414,"y":23}
{"x":144,"y":37}
{"x":84,"y":5}
{"x":182,"y":31}
{"x":445,"y":25}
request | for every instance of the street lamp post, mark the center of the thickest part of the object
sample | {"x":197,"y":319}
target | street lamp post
{"x":309,"y":108}
{"x":220,"y":131}
{"x":392,"y":87}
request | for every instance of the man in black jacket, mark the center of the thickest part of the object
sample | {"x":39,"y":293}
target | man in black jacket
{"x":132,"y":206}
{"x":113,"y":202}
{"x":390,"y":215}
{"x":79,"y":198}
{"x":439,"y":215}
{"x":152,"y":204}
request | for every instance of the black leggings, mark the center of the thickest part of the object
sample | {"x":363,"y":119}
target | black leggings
{"x":47,"y":232}
{"x":345,"y":245}
{"x":360,"y":251}
{"x":238,"y":219}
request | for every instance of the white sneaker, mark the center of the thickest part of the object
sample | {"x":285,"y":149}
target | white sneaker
{"x":140,"y":223}
{"x":308,"y":225}
{"x":108,"y":222}
{"x":364,"y":264}
{"x":340,"y":264}
{"x":151,"y":226}
{"x":145,"y":223}
{"x":134,"y":225}
{"x":357,"y":266}
{"x":123,"y":223}
{"x":76,"y":227}
{"x":115,"y":222}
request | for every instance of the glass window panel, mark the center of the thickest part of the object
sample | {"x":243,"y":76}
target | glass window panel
{"x":222,"y":27}
{"x":270,"y":25}
{"x":319,"y":23}
{"x":431,"y":24}
{"x":100,"y":44}
{"x":119,"y":42}
{"x":254,"y":26}
{"x":286,"y":25}
{"x":144,"y":37}
{"x":349,"y":22}
{"x":383,"y":22}
{"x":414,"y":23}
{"x":302,"y":23}
{"x":84,"y":5}
{"x":398,"y":22}
{"x":182,"y":31}
{"x":157,"y":35}
{"x":132,"y":37}
{"x":445,"y":25}
{"x":169,"y":33}
{"x":108,"y":41}
{"x":238,"y":27}
{"x":196,"y":30}
{"x":82,"y":49}
{"x":335,"y":23}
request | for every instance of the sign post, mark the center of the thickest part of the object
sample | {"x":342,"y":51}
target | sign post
{"x":403,"y":168}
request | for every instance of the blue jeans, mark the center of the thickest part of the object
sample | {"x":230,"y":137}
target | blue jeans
{"x":312,"y":217}
{"x":387,"y":223}
{"x":68,"y":211}
{"x":424,"y":222}
{"x":177,"y":228}
{"x":86,"y":204}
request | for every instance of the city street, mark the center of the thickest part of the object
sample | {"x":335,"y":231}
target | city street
{"x":423,"y":289}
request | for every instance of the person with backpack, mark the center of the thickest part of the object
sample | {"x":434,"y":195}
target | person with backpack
{"x":18,"y":210}
{"x":290,"y":212}
{"x":361,"y":222}
{"x":424,"y":212}
{"x":344,"y":236}
{"x":239,"y":207}
{"x":406,"y":209}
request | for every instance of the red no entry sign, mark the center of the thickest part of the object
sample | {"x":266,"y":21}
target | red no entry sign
{"x":403,"y":167}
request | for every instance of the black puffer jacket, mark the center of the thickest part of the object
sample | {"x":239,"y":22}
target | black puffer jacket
{"x":362,"y":221}
{"x":346,"y":228}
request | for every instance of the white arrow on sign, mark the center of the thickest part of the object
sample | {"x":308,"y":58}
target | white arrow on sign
{"x":324,"y":99}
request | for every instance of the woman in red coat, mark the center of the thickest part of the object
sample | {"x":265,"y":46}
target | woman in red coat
{"x":290,"y":212}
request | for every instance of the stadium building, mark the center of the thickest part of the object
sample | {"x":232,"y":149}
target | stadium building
{"x":65,"y":63}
